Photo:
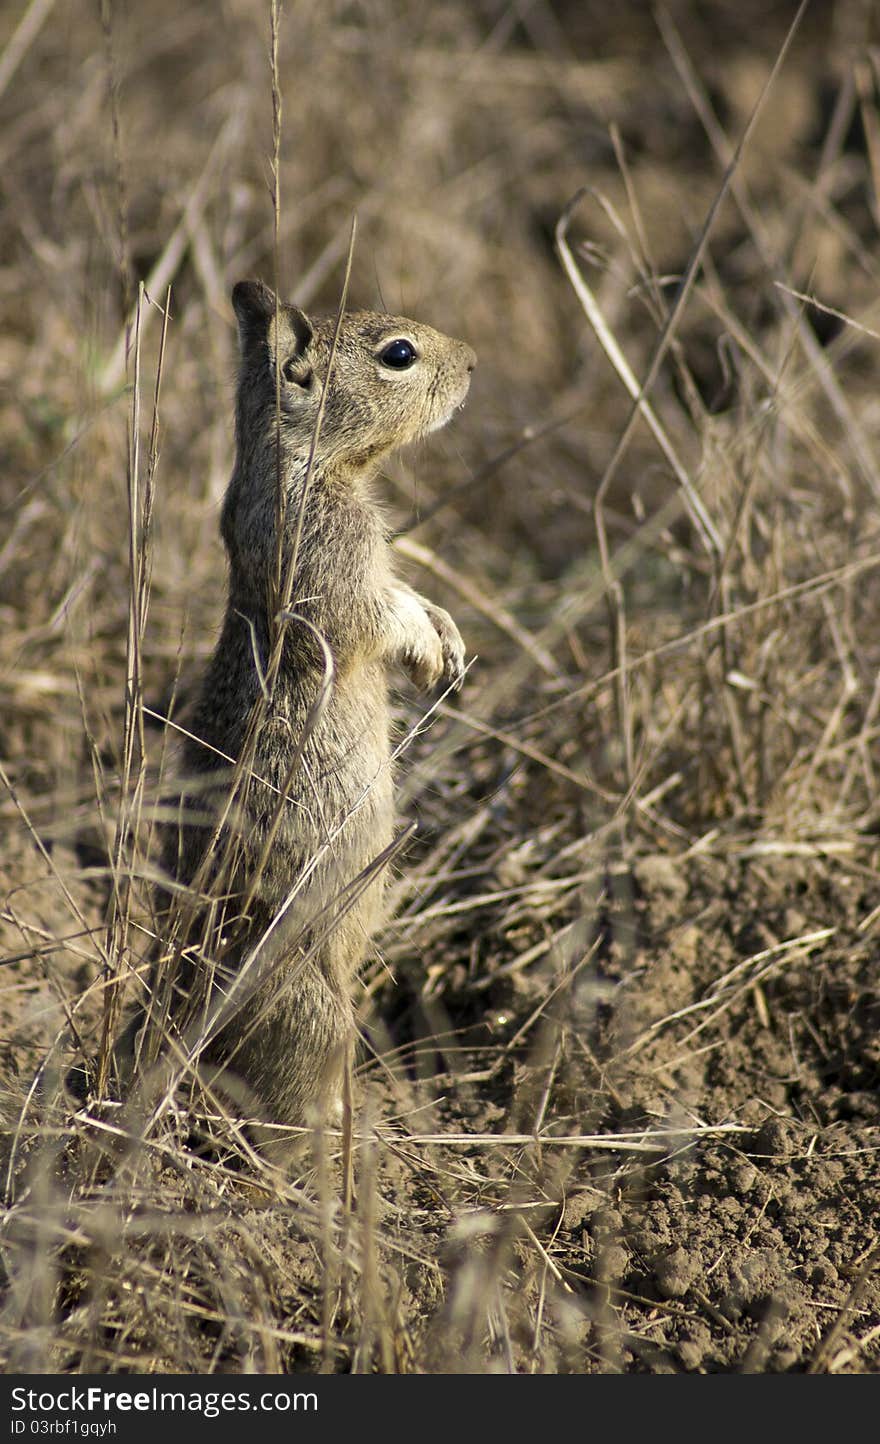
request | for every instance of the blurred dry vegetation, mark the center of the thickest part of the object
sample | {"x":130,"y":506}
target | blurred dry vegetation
{"x":617,"y":1096}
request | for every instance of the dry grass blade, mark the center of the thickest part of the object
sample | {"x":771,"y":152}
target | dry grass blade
{"x":22,"y":38}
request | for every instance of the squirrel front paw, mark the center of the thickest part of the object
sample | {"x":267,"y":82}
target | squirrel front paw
{"x":422,"y":658}
{"x":430,"y":648}
{"x":451,"y":646}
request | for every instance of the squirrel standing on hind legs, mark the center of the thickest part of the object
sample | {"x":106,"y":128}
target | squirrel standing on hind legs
{"x":275,"y":864}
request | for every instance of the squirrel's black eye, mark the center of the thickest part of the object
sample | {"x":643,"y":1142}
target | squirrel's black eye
{"x":398,"y":355}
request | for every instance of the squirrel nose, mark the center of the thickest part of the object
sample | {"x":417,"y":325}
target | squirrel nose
{"x":470,"y":358}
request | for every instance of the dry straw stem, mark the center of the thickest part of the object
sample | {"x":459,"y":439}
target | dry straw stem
{"x":166,"y":267}
{"x":22,"y":38}
{"x":134,"y":755}
{"x":751,"y":215}
{"x":822,"y":1358}
{"x":813,"y":587}
{"x":747,"y":974}
{"x":290,"y":563}
{"x":641,"y":407}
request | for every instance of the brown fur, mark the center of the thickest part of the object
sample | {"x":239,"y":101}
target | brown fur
{"x":291,"y":856}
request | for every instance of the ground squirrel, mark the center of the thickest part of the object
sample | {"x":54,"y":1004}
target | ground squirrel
{"x":284,"y":886}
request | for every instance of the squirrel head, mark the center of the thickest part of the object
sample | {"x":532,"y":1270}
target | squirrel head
{"x":389,"y":381}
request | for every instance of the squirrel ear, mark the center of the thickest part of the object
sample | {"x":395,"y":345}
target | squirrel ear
{"x":296,"y":330}
{"x":255,"y":306}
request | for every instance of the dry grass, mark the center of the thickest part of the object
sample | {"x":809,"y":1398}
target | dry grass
{"x":634,"y":934}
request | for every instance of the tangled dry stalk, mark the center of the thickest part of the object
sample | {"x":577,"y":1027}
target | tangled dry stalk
{"x":615,"y":1106}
